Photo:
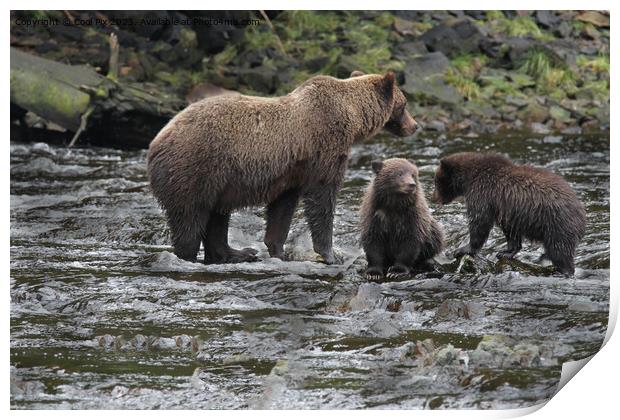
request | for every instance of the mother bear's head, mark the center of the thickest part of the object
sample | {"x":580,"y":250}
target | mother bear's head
{"x":400,"y":123}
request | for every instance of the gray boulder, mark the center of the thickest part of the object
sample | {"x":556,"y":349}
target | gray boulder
{"x":424,"y":79}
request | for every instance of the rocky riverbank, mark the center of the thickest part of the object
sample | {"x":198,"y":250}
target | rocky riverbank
{"x":468,"y":72}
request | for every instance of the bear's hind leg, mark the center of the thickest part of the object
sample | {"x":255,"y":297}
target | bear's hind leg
{"x":405,"y":259}
{"x":319,"y":207}
{"x":279,"y":215}
{"x":432,"y":246}
{"x":215,"y":241}
{"x":562,"y":256}
{"x":186,"y":241}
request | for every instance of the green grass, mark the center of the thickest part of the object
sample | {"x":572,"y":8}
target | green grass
{"x":598,"y":64}
{"x":520,"y":26}
{"x":467,"y":87}
{"x":465,"y":69}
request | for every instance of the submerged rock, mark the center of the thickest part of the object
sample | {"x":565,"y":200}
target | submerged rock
{"x":455,"y":309}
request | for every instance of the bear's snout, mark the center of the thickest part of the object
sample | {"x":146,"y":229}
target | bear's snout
{"x":408,"y":124}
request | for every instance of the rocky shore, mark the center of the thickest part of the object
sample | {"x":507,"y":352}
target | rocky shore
{"x":465,"y":72}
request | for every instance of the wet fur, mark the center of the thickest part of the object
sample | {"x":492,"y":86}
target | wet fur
{"x":398,"y":232}
{"x":524,"y":201}
{"x":229,"y":152}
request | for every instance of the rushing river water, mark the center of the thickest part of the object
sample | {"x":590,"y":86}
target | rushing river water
{"x":103,"y":315}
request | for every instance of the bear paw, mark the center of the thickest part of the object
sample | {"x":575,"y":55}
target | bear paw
{"x":398,"y":272}
{"x":506,"y":254}
{"x":464,"y":250}
{"x":243,"y":255}
{"x":374,"y":274}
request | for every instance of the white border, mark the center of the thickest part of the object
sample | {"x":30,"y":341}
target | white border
{"x":593,"y":393}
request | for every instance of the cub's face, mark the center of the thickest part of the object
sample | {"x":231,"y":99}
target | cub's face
{"x":396,"y":176}
{"x":401,"y":123}
{"x":446,"y":189}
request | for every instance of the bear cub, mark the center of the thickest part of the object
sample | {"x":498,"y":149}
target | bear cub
{"x":398,"y":231}
{"x":524,"y":201}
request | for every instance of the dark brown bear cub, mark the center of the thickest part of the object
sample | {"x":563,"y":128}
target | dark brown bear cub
{"x":398,"y":231}
{"x":524,"y":201}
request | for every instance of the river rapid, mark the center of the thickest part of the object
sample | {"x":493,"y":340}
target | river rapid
{"x":103,"y":315}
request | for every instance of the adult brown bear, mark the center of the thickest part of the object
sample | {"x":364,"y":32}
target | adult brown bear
{"x":234,"y":151}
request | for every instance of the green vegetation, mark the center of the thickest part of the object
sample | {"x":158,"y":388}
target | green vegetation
{"x":552,"y":76}
{"x":463,"y":74}
{"x":519,"y":26}
{"x":599,"y":64}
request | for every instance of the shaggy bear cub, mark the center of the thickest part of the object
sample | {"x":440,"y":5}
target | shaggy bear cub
{"x":398,"y":231}
{"x":524,"y":201}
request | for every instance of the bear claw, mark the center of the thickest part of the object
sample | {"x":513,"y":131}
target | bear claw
{"x":373,"y":275}
{"x":395,"y":273}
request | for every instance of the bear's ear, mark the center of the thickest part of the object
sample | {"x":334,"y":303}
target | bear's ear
{"x":376,"y":166}
{"x":356,"y":73}
{"x":445,"y":164}
{"x":386,"y":85}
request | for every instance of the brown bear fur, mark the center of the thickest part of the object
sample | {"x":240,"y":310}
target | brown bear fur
{"x":398,"y":231}
{"x":229,"y":152}
{"x":524,"y":201}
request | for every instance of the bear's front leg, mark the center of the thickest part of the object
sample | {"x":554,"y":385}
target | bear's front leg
{"x":480,"y":224}
{"x":215,"y":241}
{"x":279,"y":215}
{"x":513,"y":245}
{"x":375,"y":257}
{"x":319,"y":206}
{"x":406,"y":258}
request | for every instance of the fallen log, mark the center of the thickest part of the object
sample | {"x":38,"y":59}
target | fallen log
{"x":77,"y":98}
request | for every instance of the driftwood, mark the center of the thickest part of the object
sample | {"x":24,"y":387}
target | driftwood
{"x":95,"y":107}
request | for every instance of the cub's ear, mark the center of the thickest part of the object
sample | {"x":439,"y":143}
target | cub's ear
{"x":386,"y":85}
{"x":376,"y":166}
{"x":445,"y":164}
{"x":356,"y":73}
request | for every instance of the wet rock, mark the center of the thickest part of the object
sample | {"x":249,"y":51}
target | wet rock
{"x":368,"y":296}
{"x":214,"y":38}
{"x":206,"y":90}
{"x":575,"y":129}
{"x":409,"y":49}
{"x":595,"y":18}
{"x":516,"y":101}
{"x":21,"y":388}
{"x":424,"y":79}
{"x":546,"y":19}
{"x":534,"y":113}
{"x":590,"y":32}
{"x":261,"y":79}
{"x":435,"y":125}
{"x":477,"y":264}
{"x":559,"y":114}
{"x":404,"y":27}
{"x":454,"y":38}
{"x":476,"y":14}
{"x":455,"y":309}
{"x":563,"y":30}
{"x":384,"y":328}
{"x":237,"y":359}
{"x":552,"y":139}
{"x":539,"y":128}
